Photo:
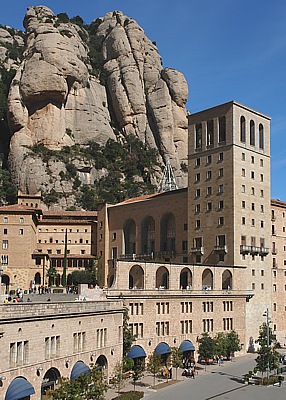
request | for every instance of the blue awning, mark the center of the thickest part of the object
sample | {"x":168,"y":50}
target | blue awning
{"x":187,"y":345}
{"x":162,"y":348}
{"x":136,"y":351}
{"x":79,"y":368}
{"x":18,"y":389}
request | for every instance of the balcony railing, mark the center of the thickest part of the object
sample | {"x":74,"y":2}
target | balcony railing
{"x":197,"y":250}
{"x":220,"y":248}
{"x":255,"y":250}
{"x":244,"y":249}
{"x":264,"y":251}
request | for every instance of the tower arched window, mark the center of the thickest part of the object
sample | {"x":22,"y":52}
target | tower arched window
{"x":252,"y":133}
{"x":222,"y":129}
{"x":261,"y":136}
{"x":242,"y":129}
{"x":198,"y":136}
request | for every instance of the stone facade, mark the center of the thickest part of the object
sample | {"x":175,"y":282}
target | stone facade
{"x":41,"y":341}
{"x":229,"y":197}
{"x":34,"y":240}
{"x":278,"y":249}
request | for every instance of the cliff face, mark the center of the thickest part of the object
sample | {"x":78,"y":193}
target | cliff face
{"x":78,"y":85}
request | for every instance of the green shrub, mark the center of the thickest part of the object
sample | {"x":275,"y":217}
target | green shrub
{"x":130,"y":396}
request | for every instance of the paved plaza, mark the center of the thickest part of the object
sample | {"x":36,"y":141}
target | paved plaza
{"x":216,"y":383}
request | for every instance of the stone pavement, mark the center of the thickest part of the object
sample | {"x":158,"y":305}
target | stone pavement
{"x":146,"y":383}
{"x":216,"y":382}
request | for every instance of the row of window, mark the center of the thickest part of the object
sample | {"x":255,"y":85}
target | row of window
{"x":252,"y":191}
{"x":186,"y":307}
{"x":243,"y":222}
{"x":252,"y":175}
{"x":209,"y":175}
{"x":243,"y":158}
{"x":6,"y":220}
{"x":5,"y":231}
{"x":209,"y":191}
{"x":243,"y":205}
{"x":209,"y":159}
{"x":62,"y":230}
{"x":210,"y":132}
{"x":209,"y":206}
{"x":51,"y":240}
{"x":252,"y":138}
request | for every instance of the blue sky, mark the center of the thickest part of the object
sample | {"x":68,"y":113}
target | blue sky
{"x":227,"y":50}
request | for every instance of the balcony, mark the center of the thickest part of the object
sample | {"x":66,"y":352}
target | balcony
{"x":220,"y":248}
{"x":197,"y":250}
{"x":264,"y":251}
{"x":254,"y":250}
{"x":245,"y":249}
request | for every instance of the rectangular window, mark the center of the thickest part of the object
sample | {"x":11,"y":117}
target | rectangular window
{"x":243,"y":172}
{"x":209,"y":175}
{"x":198,"y":177}
{"x":243,"y":220}
{"x":242,"y":188}
{"x":261,"y":177}
{"x":220,"y":188}
{"x":220,"y":173}
{"x":18,"y":353}
{"x":221,"y":221}
{"x":209,"y":159}
{"x":209,"y":206}
{"x":252,"y":174}
{"x":21,"y":231}
{"x":243,"y":156}
{"x":209,"y":190}
{"x":220,"y":205}
{"x":198,"y":223}
{"x":220,"y":157}
{"x":198,"y":208}
{"x":198,"y":162}
{"x":198,"y":192}
{"x":5,"y":244}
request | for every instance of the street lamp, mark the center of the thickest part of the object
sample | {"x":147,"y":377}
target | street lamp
{"x":266,"y":314}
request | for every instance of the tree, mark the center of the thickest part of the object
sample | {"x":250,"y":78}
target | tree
{"x":207,"y":347}
{"x":119,"y":377}
{"x":128,"y":337}
{"x":232,"y":344}
{"x":177,"y":359}
{"x":268,"y":357}
{"x":154,"y":364}
{"x":86,"y":386}
{"x":220,"y":344}
{"x":138,"y":370}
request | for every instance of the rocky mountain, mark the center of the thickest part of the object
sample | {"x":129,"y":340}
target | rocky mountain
{"x":78,"y":87}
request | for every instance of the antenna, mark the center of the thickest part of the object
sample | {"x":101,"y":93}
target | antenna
{"x":168,"y":181}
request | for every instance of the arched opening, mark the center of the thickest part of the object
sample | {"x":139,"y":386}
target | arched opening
{"x":102,"y":364}
{"x":110,"y":280}
{"x":252,"y":133}
{"x":6,"y":282}
{"x":242,"y":129}
{"x":50,"y":382}
{"x":58,"y":280}
{"x":210,"y":132}
{"x":163,"y":350}
{"x":186,"y":279}
{"x":198,"y":136}
{"x":21,"y":387}
{"x":226,"y":280}
{"x":148,"y":236}
{"x":129,"y":232}
{"x":78,"y":369}
{"x":136,"y":277}
{"x":207,"y":280}
{"x":261,"y":136}
{"x":37,"y":278}
{"x":162,"y":278}
{"x":188,"y":350}
{"x":222,"y":129}
{"x":69,"y":280}
{"x":168,"y":235}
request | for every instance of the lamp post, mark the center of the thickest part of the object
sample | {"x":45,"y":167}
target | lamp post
{"x":1,"y":273}
{"x":266,"y":314}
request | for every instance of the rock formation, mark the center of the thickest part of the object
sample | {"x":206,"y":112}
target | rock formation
{"x":57,"y":98}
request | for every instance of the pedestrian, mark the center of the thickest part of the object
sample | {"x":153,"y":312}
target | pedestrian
{"x":170,"y":371}
{"x":193,"y":373}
